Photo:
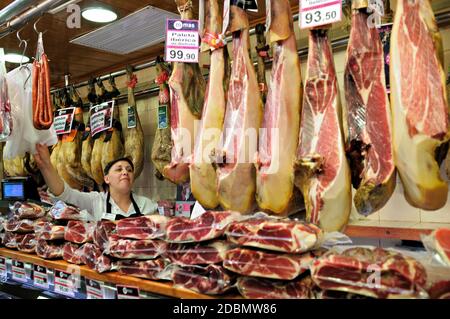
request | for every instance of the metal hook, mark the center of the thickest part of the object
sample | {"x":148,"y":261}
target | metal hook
{"x":35,"y":27}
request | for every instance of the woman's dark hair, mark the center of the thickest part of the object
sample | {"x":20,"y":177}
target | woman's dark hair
{"x":110,"y":164}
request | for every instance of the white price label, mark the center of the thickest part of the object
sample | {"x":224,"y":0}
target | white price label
{"x":314,"y":13}
{"x":63,"y":120}
{"x":101,"y":117}
{"x":3,"y":270}
{"x":40,"y":277}
{"x":18,"y":271}
{"x":182,"y":41}
{"x":94,"y":289}
{"x":65,"y":283}
{"x":126,"y":292}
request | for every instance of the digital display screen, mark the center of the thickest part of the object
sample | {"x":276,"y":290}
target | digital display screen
{"x":13,"y":190}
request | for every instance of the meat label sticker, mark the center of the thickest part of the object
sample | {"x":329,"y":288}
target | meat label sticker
{"x":182,"y":41}
{"x":40,"y":277}
{"x":101,"y":117}
{"x":3,"y":270}
{"x":314,"y":13}
{"x":65,"y":283}
{"x":94,"y":289}
{"x":132,"y":123}
{"x":163,"y":118}
{"x":18,"y":271}
{"x":64,"y":120}
{"x":125,"y":292}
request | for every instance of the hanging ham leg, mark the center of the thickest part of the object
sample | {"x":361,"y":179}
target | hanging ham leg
{"x":323,"y":175}
{"x":187,"y":89}
{"x":113,"y":142}
{"x":281,"y":124}
{"x":419,"y":103}
{"x":202,"y":173}
{"x":237,"y":173}
{"x":368,"y":117}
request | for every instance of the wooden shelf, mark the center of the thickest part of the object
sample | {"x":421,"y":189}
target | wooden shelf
{"x":162,"y":288}
{"x":391,"y":229}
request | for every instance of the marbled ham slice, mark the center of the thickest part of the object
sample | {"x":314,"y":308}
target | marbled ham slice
{"x":368,"y":118}
{"x":197,"y":254}
{"x":280,"y":128}
{"x":144,"y":227}
{"x":134,"y":249}
{"x":257,"y":288}
{"x":237,"y":173}
{"x":419,"y":103}
{"x":202,"y":172}
{"x":148,"y":269}
{"x":322,"y":172}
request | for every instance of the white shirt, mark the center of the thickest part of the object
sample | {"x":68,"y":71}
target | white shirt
{"x":95,"y":203}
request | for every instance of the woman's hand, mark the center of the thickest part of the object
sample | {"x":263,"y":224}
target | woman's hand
{"x":42,"y":157}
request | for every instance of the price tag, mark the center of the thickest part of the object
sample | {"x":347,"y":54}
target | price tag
{"x":131,"y":123}
{"x":163,"y":118}
{"x":40,"y":277}
{"x":94,"y":289}
{"x":101,"y":117}
{"x":314,"y":13}
{"x":125,"y":292}
{"x":18,"y":271}
{"x":3,"y":270}
{"x":65,"y":283}
{"x":64,"y":120}
{"x":182,"y":41}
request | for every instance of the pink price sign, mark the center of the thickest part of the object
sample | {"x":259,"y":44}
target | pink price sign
{"x":315,"y":13}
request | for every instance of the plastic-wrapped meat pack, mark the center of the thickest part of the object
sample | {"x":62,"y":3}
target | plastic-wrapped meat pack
{"x":102,"y":231}
{"x":209,"y":225}
{"x":148,"y":269}
{"x":12,"y":240}
{"x":263,"y":264}
{"x":440,"y":290}
{"x":48,"y":250}
{"x":103,"y":264}
{"x":90,"y":255}
{"x":16,"y":225}
{"x":257,"y":288}
{"x":438,"y":244}
{"x":63,"y":211}
{"x":197,"y":254}
{"x":134,"y":249}
{"x":210,"y":280}
{"x":287,"y":236}
{"x":27,"y":210}
{"x":28,"y":244}
{"x":145,"y":227}
{"x":73,"y":254}
{"x":354,"y":270}
{"x":6,"y":124}
{"x":48,"y":231}
{"x":79,"y":232}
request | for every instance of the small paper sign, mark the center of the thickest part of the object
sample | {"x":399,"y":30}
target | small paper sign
{"x":163,"y":117}
{"x":314,"y":13}
{"x":94,"y":289}
{"x":18,"y":271}
{"x":64,"y":120}
{"x":182,"y":41}
{"x":125,"y":292}
{"x":101,"y":117}
{"x":3,"y":270}
{"x":40,"y":277}
{"x":132,"y":123}
{"x":65,"y":283}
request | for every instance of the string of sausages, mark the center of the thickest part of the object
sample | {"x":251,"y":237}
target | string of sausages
{"x":42,"y":102}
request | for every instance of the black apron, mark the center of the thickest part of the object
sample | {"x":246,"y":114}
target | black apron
{"x":120,"y":216}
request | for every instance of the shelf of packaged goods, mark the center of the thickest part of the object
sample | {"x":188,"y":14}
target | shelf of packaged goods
{"x":391,"y":229}
{"x":161,"y":288}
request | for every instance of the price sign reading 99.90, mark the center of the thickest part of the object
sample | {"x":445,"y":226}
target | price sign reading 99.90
{"x":314,"y":13}
{"x":182,"y":41}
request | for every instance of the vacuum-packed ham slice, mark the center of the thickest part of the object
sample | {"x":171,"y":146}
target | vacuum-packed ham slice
{"x":72,"y":254}
{"x":210,"y":280}
{"x":12,"y":240}
{"x":187,"y":90}
{"x":90,"y":255}
{"x":28,"y":244}
{"x":79,"y":232}
{"x":355,"y":270}
{"x":202,"y":172}
{"x":281,"y":124}
{"x":102,"y":231}
{"x":322,"y":173}
{"x":145,"y":227}
{"x":134,"y":249}
{"x":287,"y":236}
{"x":368,"y":116}
{"x":48,"y":250}
{"x":257,"y":288}
{"x":243,"y":116}
{"x":148,"y":269}
{"x":16,"y":225}
{"x":419,"y":104}
{"x":49,"y":231}
{"x":197,"y":254}
{"x":28,"y":210}
{"x":63,"y":211}
{"x":267,"y":265}
{"x":207,"y":226}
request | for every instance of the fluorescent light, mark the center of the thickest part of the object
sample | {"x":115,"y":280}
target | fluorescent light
{"x":16,"y":58}
{"x":99,"y":15}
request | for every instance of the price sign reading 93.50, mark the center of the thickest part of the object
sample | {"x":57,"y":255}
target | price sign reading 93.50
{"x":182,"y":41}
{"x":314,"y":13}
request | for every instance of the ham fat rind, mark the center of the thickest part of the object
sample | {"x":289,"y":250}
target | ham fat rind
{"x":322,"y":172}
{"x":202,"y":172}
{"x":237,"y":173}
{"x":419,"y":103}
{"x":368,"y":117}
{"x":281,"y":124}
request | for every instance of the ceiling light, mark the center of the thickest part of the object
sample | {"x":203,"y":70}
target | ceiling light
{"x":16,"y":58}
{"x":99,"y":15}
